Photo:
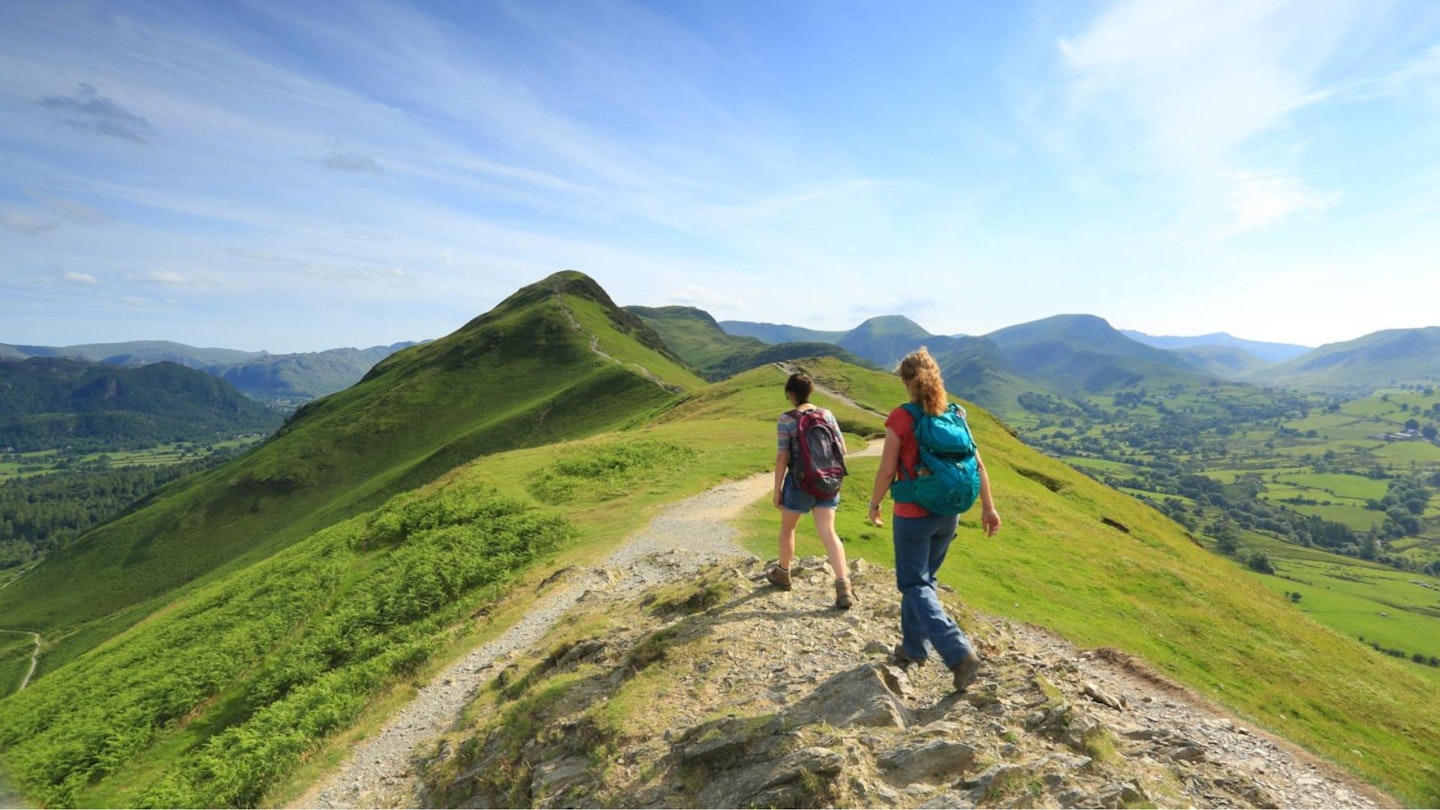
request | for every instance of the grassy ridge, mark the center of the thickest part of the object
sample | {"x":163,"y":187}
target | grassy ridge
{"x":524,"y":374}
{"x":1154,"y":593}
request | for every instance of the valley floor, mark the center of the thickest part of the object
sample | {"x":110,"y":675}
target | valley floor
{"x":1071,"y":727}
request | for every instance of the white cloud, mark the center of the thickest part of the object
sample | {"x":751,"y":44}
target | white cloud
{"x":88,"y":111}
{"x":351,"y":161}
{"x":76,"y":277}
{"x":167,"y":277}
{"x":25,"y":223}
{"x":1191,"y":91}
{"x":75,"y":212}
{"x":1259,"y":200}
{"x":701,"y":297}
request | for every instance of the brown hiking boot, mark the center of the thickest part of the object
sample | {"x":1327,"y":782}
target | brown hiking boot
{"x":966,"y":670}
{"x":904,"y":661}
{"x":779,"y":577}
{"x":844,"y":596}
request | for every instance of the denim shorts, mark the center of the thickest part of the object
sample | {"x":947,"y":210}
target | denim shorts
{"x":795,"y":499}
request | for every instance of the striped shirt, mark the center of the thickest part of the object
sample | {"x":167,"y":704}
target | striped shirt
{"x":787,"y":430}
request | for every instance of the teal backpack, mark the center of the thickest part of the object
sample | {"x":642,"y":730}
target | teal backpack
{"x":947,"y":480}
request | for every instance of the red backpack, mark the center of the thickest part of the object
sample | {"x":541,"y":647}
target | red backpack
{"x":818,"y":462}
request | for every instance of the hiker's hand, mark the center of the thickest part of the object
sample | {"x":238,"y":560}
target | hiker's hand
{"x":874,"y":515}
{"x":990,"y":519}
{"x":775,"y":499}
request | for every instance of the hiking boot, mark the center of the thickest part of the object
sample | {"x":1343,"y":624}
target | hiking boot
{"x":844,"y":596}
{"x":966,"y":670}
{"x":779,"y":577}
{"x":904,"y":661}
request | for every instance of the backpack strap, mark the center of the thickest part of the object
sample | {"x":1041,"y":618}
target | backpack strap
{"x":794,"y":466}
{"x":915,"y":414}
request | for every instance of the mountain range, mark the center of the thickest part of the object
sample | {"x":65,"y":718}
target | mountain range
{"x":287,"y":380}
{"x":1061,"y":354}
{"x":242,"y":625}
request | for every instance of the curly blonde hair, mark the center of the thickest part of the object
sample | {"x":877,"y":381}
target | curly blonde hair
{"x":922,"y":379}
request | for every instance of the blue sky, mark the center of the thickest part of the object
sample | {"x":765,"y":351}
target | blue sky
{"x":302,"y":176}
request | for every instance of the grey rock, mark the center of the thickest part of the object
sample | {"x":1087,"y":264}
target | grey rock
{"x":928,"y":761}
{"x":867,"y":695}
{"x":790,"y":781}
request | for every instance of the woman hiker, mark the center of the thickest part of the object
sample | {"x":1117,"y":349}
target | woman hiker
{"x":921,"y":538}
{"x":793,"y":502}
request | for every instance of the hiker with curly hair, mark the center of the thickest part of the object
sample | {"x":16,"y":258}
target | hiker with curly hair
{"x":794,"y":502}
{"x":922,"y":538}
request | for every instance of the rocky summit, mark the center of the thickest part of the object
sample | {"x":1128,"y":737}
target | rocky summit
{"x":716,"y":690}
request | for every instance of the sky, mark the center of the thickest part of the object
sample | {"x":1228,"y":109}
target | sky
{"x":295,"y":177}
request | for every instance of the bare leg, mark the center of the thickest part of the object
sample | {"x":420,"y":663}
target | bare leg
{"x":788,"y":522}
{"x":825,"y":527}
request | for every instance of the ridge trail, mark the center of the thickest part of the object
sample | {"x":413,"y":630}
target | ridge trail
{"x":377,"y":772}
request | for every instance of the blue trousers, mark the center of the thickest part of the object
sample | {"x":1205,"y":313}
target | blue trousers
{"x":920,"y":547}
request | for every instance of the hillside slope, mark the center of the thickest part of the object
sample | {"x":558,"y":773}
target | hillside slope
{"x":697,"y":339}
{"x":556,"y":360}
{"x":1083,"y":353}
{"x":1379,"y":359}
{"x":50,"y":403}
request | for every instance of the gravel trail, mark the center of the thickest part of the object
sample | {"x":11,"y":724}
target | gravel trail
{"x":683,"y":537}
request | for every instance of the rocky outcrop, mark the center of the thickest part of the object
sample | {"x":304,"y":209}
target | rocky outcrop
{"x":718,"y":691}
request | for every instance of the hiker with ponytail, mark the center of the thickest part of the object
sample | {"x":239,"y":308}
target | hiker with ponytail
{"x":922,"y":537}
{"x":809,"y":469}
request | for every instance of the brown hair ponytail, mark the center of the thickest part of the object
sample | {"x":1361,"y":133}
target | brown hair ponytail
{"x":922,"y":379}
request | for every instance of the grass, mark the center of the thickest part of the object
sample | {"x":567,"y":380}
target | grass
{"x":1362,"y":600}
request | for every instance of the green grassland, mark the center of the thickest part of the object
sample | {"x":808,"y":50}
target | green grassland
{"x":1376,"y":603}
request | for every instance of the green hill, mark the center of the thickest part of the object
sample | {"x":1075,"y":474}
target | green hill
{"x":885,"y":340}
{"x":1374,"y":361}
{"x":696,"y":338}
{"x":1083,"y":353}
{"x":779,"y":333}
{"x":1223,"y":361}
{"x":556,"y":360}
{"x":51,"y":403}
{"x":386,"y":528}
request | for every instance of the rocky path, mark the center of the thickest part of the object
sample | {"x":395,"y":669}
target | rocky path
{"x":1162,"y":727}
{"x":685,"y":536}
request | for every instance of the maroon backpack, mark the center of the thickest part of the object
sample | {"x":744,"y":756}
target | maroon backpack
{"x":817,"y":455}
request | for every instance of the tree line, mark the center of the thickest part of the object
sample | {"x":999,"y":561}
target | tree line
{"x":41,"y":513}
